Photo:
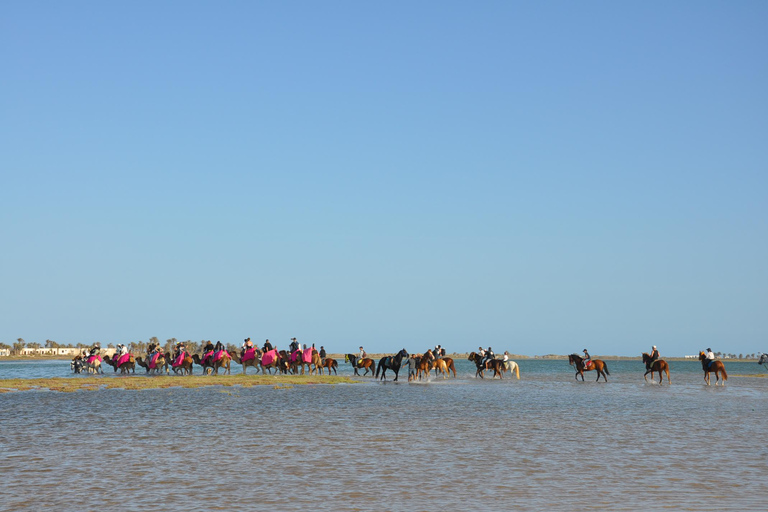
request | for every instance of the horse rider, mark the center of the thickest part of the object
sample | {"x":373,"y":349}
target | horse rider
{"x":322,"y":352}
{"x":710,"y":357}
{"x":653,"y":357}
{"x":267,"y":346}
{"x":487,"y":357}
{"x":587,"y":359}
{"x":362,"y":354}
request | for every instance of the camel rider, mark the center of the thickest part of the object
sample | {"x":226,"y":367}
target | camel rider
{"x":587,"y":359}
{"x":247,"y":344}
{"x":294,"y":346}
{"x":121,"y":350}
{"x":267,"y":346}
{"x":95,"y":350}
{"x":652,"y":358}
{"x":219,"y":346}
{"x":179,"y":349}
{"x":710,"y":357}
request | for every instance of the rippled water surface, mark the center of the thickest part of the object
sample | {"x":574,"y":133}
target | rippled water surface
{"x":545,"y":442}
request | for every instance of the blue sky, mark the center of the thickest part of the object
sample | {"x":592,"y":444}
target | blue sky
{"x":537,"y":177}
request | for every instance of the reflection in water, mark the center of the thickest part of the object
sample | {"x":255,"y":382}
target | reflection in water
{"x":544,"y":442}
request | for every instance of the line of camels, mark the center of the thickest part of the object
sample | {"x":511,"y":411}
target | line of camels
{"x":419,"y":365}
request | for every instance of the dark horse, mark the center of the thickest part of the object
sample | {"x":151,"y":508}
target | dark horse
{"x":366,"y":363}
{"x":597,"y":364}
{"x":391,"y":363}
{"x":712,"y":366}
{"x":658,"y":365}
{"x":497,"y":365}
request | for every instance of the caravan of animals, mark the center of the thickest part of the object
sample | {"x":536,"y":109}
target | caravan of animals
{"x":294,"y":360}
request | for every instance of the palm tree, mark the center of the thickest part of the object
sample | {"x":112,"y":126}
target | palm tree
{"x":19,"y":346}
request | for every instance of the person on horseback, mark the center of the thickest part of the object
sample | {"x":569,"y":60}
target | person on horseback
{"x":710,"y":357}
{"x":362,"y":354}
{"x":322,"y":352}
{"x":587,"y":359}
{"x":267,"y":346}
{"x":652,"y":358}
{"x":487,"y":357}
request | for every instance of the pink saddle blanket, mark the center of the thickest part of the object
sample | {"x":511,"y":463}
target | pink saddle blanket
{"x":179,"y":360}
{"x":248,"y":355}
{"x":218,"y":355}
{"x":295,"y":356}
{"x":123,"y":359}
{"x":269,"y":357}
{"x":206,"y":357}
{"x":307,"y":355}
{"x":153,"y":361}
{"x":91,"y":359}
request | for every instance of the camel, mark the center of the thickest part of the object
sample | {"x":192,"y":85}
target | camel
{"x":185,"y":368}
{"x":255,"y":362}
{"x":161,"y":363}
{"x":126,"y":367}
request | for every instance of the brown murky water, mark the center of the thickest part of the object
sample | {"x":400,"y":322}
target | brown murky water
{"x":542,"y":443}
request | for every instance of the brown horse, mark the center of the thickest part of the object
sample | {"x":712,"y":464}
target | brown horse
{"x":439,"y":365}
{"x":449,"y":366}
{"x":659,"y":365}
{"x":185,"y":368}
{"x":330,"y":364}
{"x":597,"y":364}
{"x":715,"y":366}
{"x":126,"y":367}
{"x":368,"y":364}
{"x":256,"y":363}
{"x":423,"y":364}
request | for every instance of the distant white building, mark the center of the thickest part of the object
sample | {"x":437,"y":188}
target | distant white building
{"x":5,"y":352}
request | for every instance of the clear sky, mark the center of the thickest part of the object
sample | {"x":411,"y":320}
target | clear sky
{"x":540,"y":177}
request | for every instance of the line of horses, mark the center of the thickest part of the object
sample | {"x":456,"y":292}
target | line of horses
{"x":419,"y":366}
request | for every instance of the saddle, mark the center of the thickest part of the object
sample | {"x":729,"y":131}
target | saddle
{"x":587,"y":365}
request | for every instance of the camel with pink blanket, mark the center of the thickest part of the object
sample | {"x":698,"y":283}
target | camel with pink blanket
{"x":125,"y":362}
{"x":251,"y":357}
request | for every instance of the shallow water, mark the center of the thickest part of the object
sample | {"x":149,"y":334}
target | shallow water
{"x":544,"y":442}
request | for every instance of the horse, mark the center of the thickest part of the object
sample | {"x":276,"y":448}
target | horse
{"x":476,"y":358}
{"x":497,"y":367}
{"x":254,"y":361}
{"x":441,"y":366}
{"x":449,"y":367}
{"x":659,"y":365}
{"x":184,"y":367}
{"x":597,"y":364}
{"x":126,"y":367}
{"x":391,"y":363}
{"x":715,"y":366}
{"x":763,"y":360}
{"x":330,"y":364}
{"x":367,"y":363}
{"x":422,"y":364}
